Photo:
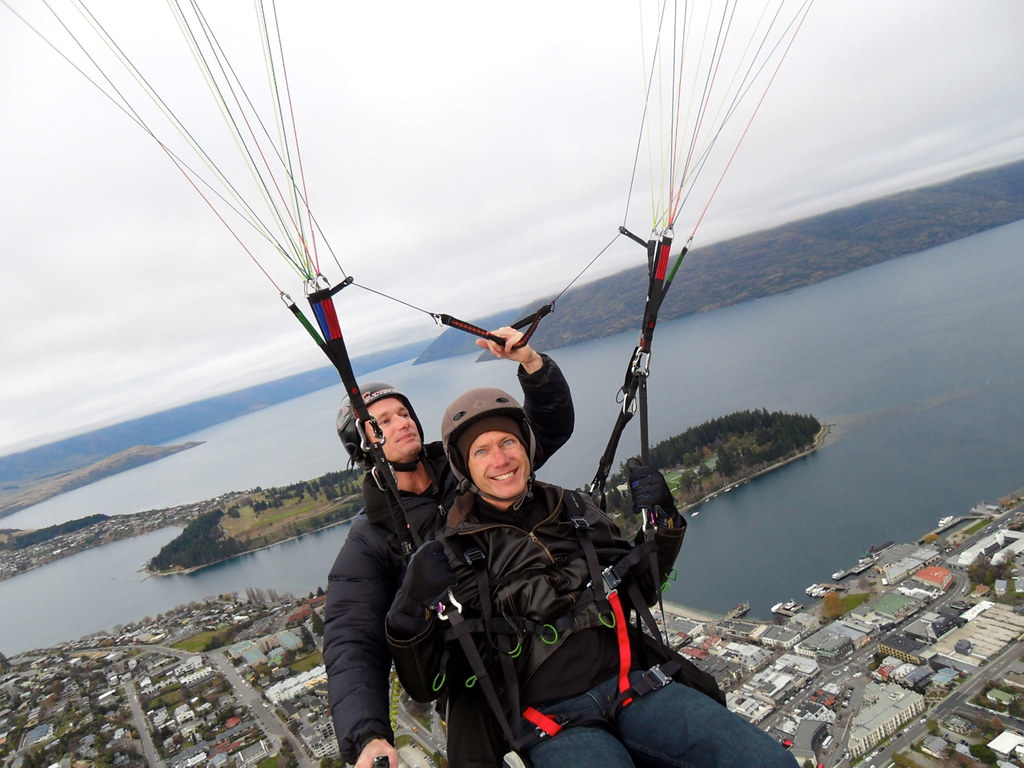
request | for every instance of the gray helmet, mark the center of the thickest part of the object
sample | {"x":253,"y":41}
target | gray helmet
{"x":471,"y":408}
{"x":350,"y":428}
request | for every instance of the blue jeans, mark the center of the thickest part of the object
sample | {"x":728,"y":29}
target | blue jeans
{"x":673,"y":727}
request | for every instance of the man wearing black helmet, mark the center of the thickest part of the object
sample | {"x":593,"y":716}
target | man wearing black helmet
{"x":520,"y":608}
{"x":369,"y":568}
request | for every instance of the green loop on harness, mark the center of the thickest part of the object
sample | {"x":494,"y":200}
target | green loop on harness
{"x":669,"y":577}
{"x":544,"y":636}
{"x":438,"y":683}
{"x":610,"y":623}
{"x":471,"y":681}
{"x":514,"y":653}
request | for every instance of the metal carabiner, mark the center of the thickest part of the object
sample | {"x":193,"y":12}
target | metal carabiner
{"x":440,"y":607}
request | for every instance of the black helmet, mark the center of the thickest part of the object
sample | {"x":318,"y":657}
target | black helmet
{"x":472,"y":408}
{"x":350,"y":428}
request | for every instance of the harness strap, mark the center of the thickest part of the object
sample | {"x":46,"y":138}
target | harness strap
{"x":547,"y":724}
{"x":622,"y":635}
{"x":477,"y":560}
{"x":333,"y":345}
{"x":476,"y":663}
{"x":499,"y":630}
{"x":598,"y":580}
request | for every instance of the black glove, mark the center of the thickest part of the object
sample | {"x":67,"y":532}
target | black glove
{"x":649,"y":490}
{"x":427,"y":577}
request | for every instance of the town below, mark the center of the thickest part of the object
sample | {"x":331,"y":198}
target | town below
{"x":909,"y":657}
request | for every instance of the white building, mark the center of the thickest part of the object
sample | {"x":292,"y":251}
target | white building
{"x":293,"y":686}
{"x":885,"y":709}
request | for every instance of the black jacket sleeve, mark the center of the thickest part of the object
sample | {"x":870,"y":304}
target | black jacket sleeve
{"x":547,"y":401}
{"x":418,"y":659}
{"x":360,"y":588}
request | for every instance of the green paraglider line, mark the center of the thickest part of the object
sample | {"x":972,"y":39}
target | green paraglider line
{"x":302,"y":319}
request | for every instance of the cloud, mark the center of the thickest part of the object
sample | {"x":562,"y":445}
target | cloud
{"x":461,"y":158}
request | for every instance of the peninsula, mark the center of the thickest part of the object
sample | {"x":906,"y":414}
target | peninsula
{"x":62,"y":482}
{"x":698,"y":463}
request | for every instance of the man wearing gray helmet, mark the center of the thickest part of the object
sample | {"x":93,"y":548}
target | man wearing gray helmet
{"x":369,"y":567}
{"x":521,"y":607}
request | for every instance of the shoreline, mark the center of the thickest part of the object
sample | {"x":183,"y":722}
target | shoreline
{"x":195,"y":568}
{"x":818,"y":442}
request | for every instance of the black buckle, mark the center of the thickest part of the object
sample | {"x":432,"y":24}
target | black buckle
{"x":474,"y":555}
{"x":611,"y":581}
{"x":580,"y":523}
{"x":651,"y":680}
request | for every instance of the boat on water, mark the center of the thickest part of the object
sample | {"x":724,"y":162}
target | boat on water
{"x":740,"y":610}
{"x":820,"y":590}
{"x":788,"y":608}
{"x":943,"y":522}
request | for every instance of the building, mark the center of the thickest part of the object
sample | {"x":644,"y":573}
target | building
{"x":930,"y":626}
{"x":1007,"y":744}
{"x":826,"y":645}
{"x":781,"y":637}
{"x":902,"y":647}
{"x":935,"y":576}
{"x":253,"y":755}
{"x":885,"y":709}
{"x":293,"y":686}
{"x":807,"y":740}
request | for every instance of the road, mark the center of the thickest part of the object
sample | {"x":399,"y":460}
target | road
{"x":247,"y":695}
{"x":142,"y":726}
{"x":268,"y":721}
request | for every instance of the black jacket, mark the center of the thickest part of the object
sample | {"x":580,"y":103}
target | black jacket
{"x":369,"y":568}
{"x":537,"y":576}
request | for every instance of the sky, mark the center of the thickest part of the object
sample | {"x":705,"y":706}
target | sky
{"x":461,"y":157}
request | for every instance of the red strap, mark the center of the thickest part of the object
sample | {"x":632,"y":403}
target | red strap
{"x":547,"y":724}
{"x":542,"y":721}
{"x":622,"y":632}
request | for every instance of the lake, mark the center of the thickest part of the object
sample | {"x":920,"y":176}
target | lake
{"x":916,"y":362}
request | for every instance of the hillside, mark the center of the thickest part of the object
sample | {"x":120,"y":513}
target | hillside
{"x":260,"y":518}
{"x":67,"y":481}
{"x":777,"y":260}
{"x":22,"y":473}
{"x":742,"y":269}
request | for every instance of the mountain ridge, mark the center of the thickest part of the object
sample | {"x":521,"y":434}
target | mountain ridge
{"x":752,"y":266}
{"x":779,"y":259}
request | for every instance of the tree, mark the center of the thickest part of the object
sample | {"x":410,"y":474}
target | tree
{"x":726,"y":461}
{"x":983,"y":753}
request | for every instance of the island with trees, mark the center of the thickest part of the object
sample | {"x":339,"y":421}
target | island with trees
{"x":698,"y":463}
{"x":724,"y":452}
